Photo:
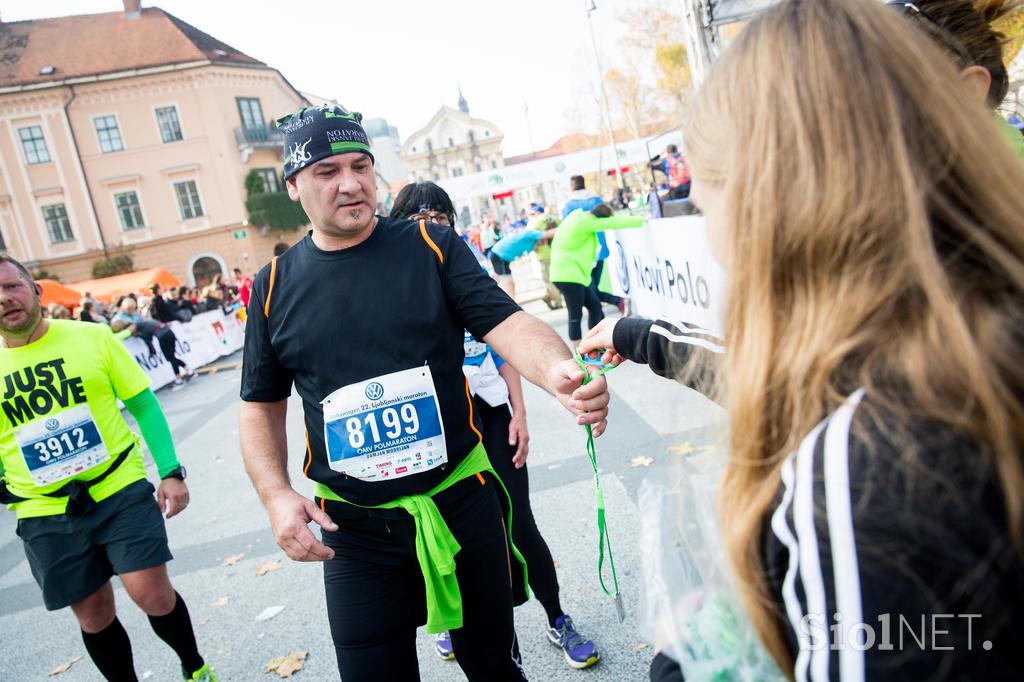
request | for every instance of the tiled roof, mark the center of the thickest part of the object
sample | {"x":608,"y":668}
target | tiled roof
{"x":95,"y":44}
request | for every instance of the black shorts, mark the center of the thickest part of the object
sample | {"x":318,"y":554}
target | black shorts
{"x":73,"y":556}
{"x":500,"y":265}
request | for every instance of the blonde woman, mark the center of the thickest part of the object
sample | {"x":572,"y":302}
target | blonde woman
{"x":870,"y":221}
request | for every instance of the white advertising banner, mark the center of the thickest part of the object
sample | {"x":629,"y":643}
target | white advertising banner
{"x":666,"y":270}
{"x":205,"y":338}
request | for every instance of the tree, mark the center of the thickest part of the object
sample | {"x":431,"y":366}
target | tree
{"x":631,"y":97}
{"x":274,"y":210}
{"x":117,"y":262}
{"x":673,"y":74}
{"x":651,"y":45}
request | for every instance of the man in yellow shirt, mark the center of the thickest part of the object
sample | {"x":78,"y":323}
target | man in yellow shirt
{"x":72,"y":471}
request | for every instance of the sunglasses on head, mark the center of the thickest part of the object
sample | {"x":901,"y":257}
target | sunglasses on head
{"x":936,"y":28}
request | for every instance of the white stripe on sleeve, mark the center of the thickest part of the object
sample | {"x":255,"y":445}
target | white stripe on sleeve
{"x":691,"y":340}
{"x":846,"y":572}
{"x":807,"y":541}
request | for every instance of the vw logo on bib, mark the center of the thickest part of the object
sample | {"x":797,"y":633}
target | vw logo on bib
{"x":374,"y":391}
{"x":52,"y":424}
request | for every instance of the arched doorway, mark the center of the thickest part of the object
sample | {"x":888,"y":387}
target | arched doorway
{"x":204,"y":269}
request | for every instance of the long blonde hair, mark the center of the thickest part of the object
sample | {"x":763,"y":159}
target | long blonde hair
{"x":874,"y":231}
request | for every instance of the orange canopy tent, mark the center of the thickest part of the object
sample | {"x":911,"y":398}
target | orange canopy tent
{"x":55,"y":292}
{"x":108,"y":288}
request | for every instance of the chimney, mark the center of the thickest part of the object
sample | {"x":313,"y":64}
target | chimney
{"x":132,"y":9}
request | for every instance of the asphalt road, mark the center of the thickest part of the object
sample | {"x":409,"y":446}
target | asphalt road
{"x":649,"y":416}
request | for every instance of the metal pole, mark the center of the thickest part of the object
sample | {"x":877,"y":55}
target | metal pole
{"x":604,"y":97}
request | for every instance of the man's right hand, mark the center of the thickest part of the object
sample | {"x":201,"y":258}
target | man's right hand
{"x":290,"y":514}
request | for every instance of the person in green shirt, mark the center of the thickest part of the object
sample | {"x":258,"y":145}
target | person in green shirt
{"x":72,"y":471}
{"x":573,"y":252}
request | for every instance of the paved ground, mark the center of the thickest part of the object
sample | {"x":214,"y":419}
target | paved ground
{"x":649,"y":415}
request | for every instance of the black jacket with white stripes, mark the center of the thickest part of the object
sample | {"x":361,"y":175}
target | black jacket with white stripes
{"x":887,"y":550}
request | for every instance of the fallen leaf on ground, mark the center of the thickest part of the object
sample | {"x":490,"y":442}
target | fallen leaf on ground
{"x":148,"y":674}
{"x":232,"y":560}
{"x":286,"y":666}
{"x":268,"y":567}
{"x":641,"y":461}
{"x":64,"y":667}
{"x":640,"y":646}
{"x":682,"y":449}
{"x":221,"y":601}
{"x":212,"y":519}
{"x":269,"y":612}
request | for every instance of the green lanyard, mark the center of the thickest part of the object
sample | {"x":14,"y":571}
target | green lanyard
{"x":602,"y":529}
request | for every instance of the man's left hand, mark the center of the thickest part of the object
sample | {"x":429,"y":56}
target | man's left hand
{"x":172,"y":496}
{"x":590,"y":402}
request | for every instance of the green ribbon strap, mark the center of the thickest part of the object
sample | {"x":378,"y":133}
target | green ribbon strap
{"x":603,"y":540}
{"x":436,"y":547}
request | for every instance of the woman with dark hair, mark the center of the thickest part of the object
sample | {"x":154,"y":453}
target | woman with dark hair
{"x":965,"y":30}
{"x":426,"y":201}
{"x":497,"y":392}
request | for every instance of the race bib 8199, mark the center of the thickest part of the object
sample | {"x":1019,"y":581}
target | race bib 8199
{"x":386,"y":427}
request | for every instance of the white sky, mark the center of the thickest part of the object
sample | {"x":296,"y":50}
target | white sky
{"x":403,"y":59}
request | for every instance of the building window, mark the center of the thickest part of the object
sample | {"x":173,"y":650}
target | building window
{"x":57,"y":225}
{"x":414,"y":149}
{"x":110,"y":136}
{"x":487,"y":133}
{"x":479,"y":167}
{"x":456,"y":172}
{"x":494,"y":164}
{"x":188,"y":199}
{"x":129,"y":210}
{"x":251,"y":112}
{"x":170,"y":126}
{"x":430,"y":146}
{"x":34,"y":145}
{"x":471,"y":136}
{"x":451,"y":142}
{"x":436,"y":176}
{"x":270,"y":180}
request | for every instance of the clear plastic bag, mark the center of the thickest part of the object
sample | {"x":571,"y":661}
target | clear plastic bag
{"x":690,"y":609}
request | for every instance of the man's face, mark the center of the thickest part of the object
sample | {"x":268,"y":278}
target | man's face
{"x":172,"y":293}
{"x":339,"y":193}
{"x":19,"y":302}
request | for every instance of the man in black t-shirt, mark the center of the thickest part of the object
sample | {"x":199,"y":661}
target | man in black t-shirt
{"x":365,"y":317}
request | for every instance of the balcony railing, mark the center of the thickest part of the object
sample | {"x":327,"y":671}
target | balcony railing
{"x":267,"y":135}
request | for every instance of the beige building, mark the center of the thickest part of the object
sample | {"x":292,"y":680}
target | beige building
{"x":451,"y":145}
{"x":134,"y":129}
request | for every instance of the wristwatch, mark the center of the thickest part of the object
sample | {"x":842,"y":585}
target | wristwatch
{"x":178,"y":473}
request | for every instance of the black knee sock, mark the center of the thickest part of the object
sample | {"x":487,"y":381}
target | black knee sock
{"x":553,"y":609}
{"x":176,"y":629}
{"x":111,"y":651}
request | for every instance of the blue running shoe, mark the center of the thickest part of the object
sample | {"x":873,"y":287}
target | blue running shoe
{"x":579,"y":651}
{"x":443,"y":646}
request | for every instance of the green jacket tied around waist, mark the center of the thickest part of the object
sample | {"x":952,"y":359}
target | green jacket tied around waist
{"x":436,"y":547}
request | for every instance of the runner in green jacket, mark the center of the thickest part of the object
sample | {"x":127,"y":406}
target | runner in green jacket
{"x":573,"y":251}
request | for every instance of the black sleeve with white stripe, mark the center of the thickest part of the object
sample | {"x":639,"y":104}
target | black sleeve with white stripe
{"x":888,"y":565}
{"x":667,"y":347}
